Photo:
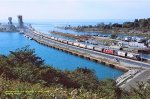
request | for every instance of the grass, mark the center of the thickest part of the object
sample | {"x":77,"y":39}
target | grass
{"x":18,"y":89}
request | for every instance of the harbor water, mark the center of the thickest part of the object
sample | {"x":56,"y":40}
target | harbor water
{"x":54,"y":57}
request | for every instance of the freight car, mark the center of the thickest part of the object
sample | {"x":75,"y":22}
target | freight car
{"x":130,"y":55}
{"x":108,"y":51}
{"x":82,"y":45}
{"x":52,"y":38}
{"x":59,"y":39}
{"x":90,"y":47}
{"x":133,"y":56}
{"x":98,"y":48}
{"x":70,"y":43}
{"x":76,"y":44}
{"x":65,"y":41}
{"x":49,"y":37}
{"x":55,"y":38}
{"x":120,"y":53}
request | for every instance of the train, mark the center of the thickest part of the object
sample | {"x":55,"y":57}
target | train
{"x":101,"y":49}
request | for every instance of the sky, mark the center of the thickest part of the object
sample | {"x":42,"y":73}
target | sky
{"x":75,"y":9}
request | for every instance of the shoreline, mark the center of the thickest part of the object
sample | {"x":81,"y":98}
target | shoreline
{"x":129,"y":32}
{"x":84,"y":55}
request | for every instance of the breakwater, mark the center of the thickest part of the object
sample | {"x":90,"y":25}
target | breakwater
{"x":47,"y":41}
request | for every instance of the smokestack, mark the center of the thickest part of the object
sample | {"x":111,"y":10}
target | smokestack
{"x":20,"y":21}
{"x":9,"y":20}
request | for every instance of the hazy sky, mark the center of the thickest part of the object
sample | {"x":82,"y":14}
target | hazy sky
{"x":75,"y":9}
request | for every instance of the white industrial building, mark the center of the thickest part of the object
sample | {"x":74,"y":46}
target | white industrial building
{"x":131,"y":44}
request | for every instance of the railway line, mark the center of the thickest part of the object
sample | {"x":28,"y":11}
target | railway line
{"x":53,"y":41}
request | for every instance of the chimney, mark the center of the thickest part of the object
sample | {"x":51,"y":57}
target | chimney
{"x":10,"y":20}
{"x":20,"y":21}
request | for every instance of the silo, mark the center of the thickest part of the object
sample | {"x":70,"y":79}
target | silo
{"x":20,"y":21}
{"x":10,"y":20}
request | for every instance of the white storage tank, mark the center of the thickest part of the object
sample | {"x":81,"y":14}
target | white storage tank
{"x":136,"y":44}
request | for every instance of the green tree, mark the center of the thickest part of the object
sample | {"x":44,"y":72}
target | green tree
{"x":25,"y":55}
{"x":113,"y":36}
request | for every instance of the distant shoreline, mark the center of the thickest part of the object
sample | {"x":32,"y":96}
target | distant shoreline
{"x":129,"y":32}
{"x":140,"y":27}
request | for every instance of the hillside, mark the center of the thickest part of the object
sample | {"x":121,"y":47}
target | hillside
{"x":25,"y":75}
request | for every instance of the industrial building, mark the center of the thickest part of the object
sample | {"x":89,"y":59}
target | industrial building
{"x":20,"y":22}
{"x":10,"y":27}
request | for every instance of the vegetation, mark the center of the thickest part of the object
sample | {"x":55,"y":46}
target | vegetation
{"x":24,"y":75}
{"x":139,"y":27}
{"x":113,"y":36}
{"x":138,"y":23}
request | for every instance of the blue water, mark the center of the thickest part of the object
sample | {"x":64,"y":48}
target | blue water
{"x":52,"y":24}
{"x":48,"y":27}
{"x":53,"y":57}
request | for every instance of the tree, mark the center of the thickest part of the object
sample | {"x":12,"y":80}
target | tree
{"x":25,"y":55}
{"x":21,"y":64}
{"x":114,"y":36}
{"x":101,"y":25}
{"x":143,"y":23}
{"x":148,"y":22}
{"x":136,"y":23}
{"x":128,"y":24}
